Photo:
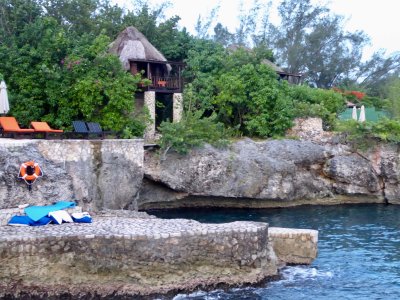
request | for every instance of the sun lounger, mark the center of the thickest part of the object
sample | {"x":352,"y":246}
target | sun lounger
{"x":95,"y":129}
{"x":88,"y":130}
{"x":9,"y":127}
{"x":80,"y":130}
{"x":43,"y":127}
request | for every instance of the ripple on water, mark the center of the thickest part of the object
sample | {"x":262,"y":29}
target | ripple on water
{"x":358,"y":252}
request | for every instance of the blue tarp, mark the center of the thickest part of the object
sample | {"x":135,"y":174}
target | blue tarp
{"x":38,"y":212}
{"x":25,"y":220}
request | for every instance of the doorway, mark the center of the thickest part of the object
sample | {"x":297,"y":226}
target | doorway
{"x":164,"y":108}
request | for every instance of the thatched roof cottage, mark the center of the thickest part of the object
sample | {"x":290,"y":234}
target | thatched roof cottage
{"x":138,"y":55}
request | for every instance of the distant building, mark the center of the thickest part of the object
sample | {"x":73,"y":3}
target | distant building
{"x":283,"y":75}
{"x":138,"y":55}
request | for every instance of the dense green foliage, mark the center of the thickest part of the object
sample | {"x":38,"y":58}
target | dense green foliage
{"x":56,"y":64}
{"x":393,"y":98}
{"x":192,"y":131}
{"x":366,"y":134}
{"x":325,"y":104}
{"x":246,"y":94}
{"x":54,"y":58}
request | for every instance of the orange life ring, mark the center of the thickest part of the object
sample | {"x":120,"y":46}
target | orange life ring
{"x":37,"y":172}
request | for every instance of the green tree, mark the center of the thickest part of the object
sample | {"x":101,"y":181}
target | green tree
{"x":312,"y":41}
{"x":244,"y":93}
{"x":251,"y":99}
{"x":14,"y":16}
{"x":222,"y":35}
{"x":376,"y":73}
{"x":393,"y":93}
{"x":56,"y":77}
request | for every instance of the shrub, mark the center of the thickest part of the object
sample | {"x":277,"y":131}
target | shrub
{"x":366,"y":134}
{"x":310,"y":102}
{"x":192,"y":131}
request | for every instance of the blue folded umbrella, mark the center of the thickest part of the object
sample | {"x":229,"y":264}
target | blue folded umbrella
{"x":38,"y":212}
{"x":26,"y":221}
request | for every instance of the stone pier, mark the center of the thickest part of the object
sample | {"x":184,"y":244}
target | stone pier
{"x":131,"y":253}
{"x":294,"y":246}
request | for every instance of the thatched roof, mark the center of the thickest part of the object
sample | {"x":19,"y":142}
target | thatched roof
{"x":235,"y":47}
{"x":132,"y":44}
{"x":273,"y":66}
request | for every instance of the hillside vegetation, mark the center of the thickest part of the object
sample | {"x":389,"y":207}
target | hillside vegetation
{"x":54,"y":58}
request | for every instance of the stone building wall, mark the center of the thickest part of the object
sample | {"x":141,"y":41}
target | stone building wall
{"x":96,"y":174}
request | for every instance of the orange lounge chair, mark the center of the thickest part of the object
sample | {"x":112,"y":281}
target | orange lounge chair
{"x":43,"y":127}
{"x":9,"y":125}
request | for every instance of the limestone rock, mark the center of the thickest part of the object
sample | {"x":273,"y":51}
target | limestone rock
{"x":389,"y":164}
{"x":95,"y":173}
{"x":281,"y":171}
{"x":352,"y":174}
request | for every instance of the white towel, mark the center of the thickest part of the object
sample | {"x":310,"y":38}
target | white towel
{"x":59,"y":216}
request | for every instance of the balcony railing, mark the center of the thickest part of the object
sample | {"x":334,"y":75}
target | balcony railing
{"x":165,"y":84}
{"x":168,"y":82}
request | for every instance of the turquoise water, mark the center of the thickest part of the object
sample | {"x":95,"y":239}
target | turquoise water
{"x":358,"y":252}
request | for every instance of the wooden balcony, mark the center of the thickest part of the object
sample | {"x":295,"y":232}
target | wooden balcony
{"x":165,"y":76}
{"x":165,"y":84}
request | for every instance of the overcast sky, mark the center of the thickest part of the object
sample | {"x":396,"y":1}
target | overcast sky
{"x":378,"y":18}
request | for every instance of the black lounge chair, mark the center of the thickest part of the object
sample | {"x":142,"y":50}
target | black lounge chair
{"x":80,"y":130}
{"x":95,"y":129}
{"x":88,"y":130}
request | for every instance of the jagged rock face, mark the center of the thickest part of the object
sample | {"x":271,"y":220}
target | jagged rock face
{"x":387,"y":160}
{"x":352,"y":174}
{"x":109,"y":174}
{"x":96,"y":174}
{"x":286,"y":171}
{"x":266,"y":170}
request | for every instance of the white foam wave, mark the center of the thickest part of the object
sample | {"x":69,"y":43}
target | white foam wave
{"x":198,"y":295}
{"x":303,"y":273}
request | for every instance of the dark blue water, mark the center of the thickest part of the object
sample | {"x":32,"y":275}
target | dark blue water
{"x":358,"y":258}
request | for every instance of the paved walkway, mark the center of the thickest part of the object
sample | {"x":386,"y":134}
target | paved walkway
{"x":133,"y":226}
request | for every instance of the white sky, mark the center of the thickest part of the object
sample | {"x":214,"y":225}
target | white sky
{"x":378,"y":18}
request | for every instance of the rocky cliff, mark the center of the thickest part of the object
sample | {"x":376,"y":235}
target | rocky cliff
{"x":272,"y":173}
{"x":96,"y":174}
{"x":119,"y":174}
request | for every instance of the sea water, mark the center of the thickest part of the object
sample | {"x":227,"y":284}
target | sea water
{"x":358,"y":252}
